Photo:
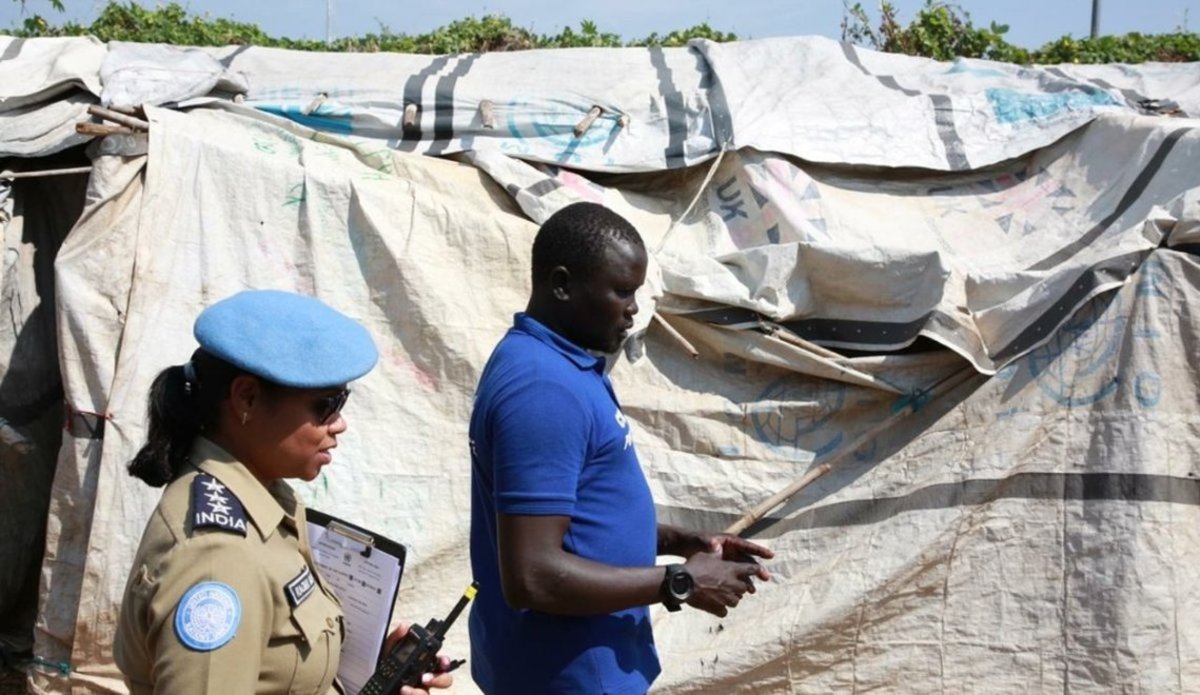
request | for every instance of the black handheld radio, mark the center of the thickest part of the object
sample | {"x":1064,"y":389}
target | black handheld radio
{"x":416,"y":654}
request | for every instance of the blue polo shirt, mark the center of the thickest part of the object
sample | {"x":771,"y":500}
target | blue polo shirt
{"x":548,"y":439}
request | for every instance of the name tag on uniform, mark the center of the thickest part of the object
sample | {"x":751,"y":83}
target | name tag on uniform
{"x":301,"y":587}
{"x":214,"y":506}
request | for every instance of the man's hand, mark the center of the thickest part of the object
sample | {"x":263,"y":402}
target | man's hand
{"x":720,"y":584}
{"x":738,"y":549}
{"x":673,"y":540}
{"x":429,"y":681}
{"x":723,"y":566}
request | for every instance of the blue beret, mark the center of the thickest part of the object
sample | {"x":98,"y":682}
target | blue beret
{"x":286,"y":338}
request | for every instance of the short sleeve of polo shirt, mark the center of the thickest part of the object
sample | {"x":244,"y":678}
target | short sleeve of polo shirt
{"x":539,"y":442}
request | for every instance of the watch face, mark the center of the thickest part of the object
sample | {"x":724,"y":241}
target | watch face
{"x":681,"y":584}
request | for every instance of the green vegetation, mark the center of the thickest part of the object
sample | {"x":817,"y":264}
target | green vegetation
{"x":174,"y":25}
{"x":944,"y":31}
{"x":939,"y":30}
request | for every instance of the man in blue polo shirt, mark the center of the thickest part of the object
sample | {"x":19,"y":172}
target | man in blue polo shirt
{"x":563,"y":530}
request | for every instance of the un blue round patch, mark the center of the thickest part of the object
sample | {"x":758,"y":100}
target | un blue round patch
{"x":207,"y":616}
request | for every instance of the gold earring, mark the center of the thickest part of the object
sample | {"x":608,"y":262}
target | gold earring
{"x":244,"y":416}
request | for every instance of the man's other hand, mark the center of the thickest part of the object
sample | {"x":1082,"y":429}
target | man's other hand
{"x":720,"y":584}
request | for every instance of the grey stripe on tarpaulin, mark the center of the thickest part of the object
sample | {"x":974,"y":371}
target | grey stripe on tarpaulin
{"x":443,"y":105}
{"x":13,"y":49}
{"x":943,"y":112}
{"x":865,"y":332}
{"x":228,"y":60}
{"x":718,"y":103}
{"x":1076,"y":487}
{"x":414,"y":87}
{"x":673,"y":99}
{"x":725,"y":316}
{"x":543,"y":187}
{"x":1131,"y":97}
{"x":943,"y":115}
{"x":820,"y":330}
{"x":886,"y":80}
{"x":1112,"y":270}
{"x":851,"y":54}
{"x":1071,"y":487}
{"x":1136,"y":189}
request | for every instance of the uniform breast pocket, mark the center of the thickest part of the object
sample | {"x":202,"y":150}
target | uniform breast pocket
{"x":304,"y":645}
{"x":309,"y":624}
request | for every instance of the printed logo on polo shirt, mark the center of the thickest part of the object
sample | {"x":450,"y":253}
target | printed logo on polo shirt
{"x":624,"y":424}
{"x":213,"y":505}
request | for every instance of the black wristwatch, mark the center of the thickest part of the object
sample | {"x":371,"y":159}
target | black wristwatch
{"x":677,"y":587}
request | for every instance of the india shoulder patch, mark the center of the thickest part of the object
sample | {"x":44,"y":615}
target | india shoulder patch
{"x":214,"y":506}
{"x":207,"y":616}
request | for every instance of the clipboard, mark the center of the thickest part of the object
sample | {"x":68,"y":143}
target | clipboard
{"x":364,"y":570}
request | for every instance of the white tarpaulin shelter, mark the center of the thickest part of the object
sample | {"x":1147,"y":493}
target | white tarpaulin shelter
{"x":841,"y":234}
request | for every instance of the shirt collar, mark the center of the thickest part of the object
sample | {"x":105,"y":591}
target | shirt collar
{"x":267,"y":507}
{"x":579,"y":357}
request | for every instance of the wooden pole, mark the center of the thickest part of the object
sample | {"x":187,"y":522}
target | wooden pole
{"x":779,"y":498}
{"x":858,"y":377}
{"x":582,"y":126}
{"x":671,"y":331}
{"x":10,"y":175}
{"x":110,"y":115}
{"x":487,"y":114}
{"x":102,"y":129}
{"x":314,"y":104}
{"x":410,"y":116}
{"x":796,"y":340}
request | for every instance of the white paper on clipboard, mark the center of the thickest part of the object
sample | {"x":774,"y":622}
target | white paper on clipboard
{"x":364,"y":571}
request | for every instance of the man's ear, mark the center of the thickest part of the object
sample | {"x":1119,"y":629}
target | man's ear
{"x":560,"y":283}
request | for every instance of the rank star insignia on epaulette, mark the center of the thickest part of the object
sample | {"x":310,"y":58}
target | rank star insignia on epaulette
{"x":213,"y":505}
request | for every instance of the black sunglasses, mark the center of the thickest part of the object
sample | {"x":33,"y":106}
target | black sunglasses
{"x":327,"y":407}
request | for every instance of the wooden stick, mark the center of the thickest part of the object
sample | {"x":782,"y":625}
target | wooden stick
{"x":861,"y":378}
{"x":582,"y":126}
{"x":129,"y":110}
{"x":110,"y":115}
{"x":102,"y":129}
{"x":314,"y":104}
{"x":410,"y":116}
{"x":779,"y":498}
{"x":683,"y":342}
{"x":786,"y":335}
{"x":10,"y":175}
{"x":486,"y":114}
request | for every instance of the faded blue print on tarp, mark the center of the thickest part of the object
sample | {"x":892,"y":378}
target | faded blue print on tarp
{"x":1011,"y":106}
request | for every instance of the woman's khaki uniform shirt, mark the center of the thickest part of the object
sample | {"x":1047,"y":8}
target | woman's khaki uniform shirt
{"x":290,"y":632}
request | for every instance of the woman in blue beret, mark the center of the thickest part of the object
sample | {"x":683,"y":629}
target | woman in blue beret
{"x":224,"y":596}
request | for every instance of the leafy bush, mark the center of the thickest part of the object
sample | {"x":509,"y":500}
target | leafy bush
{"x":940,"y":30}
{"x":1130,"y":48}
{"x":944,"y":31}
{"x":173,"y":25}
